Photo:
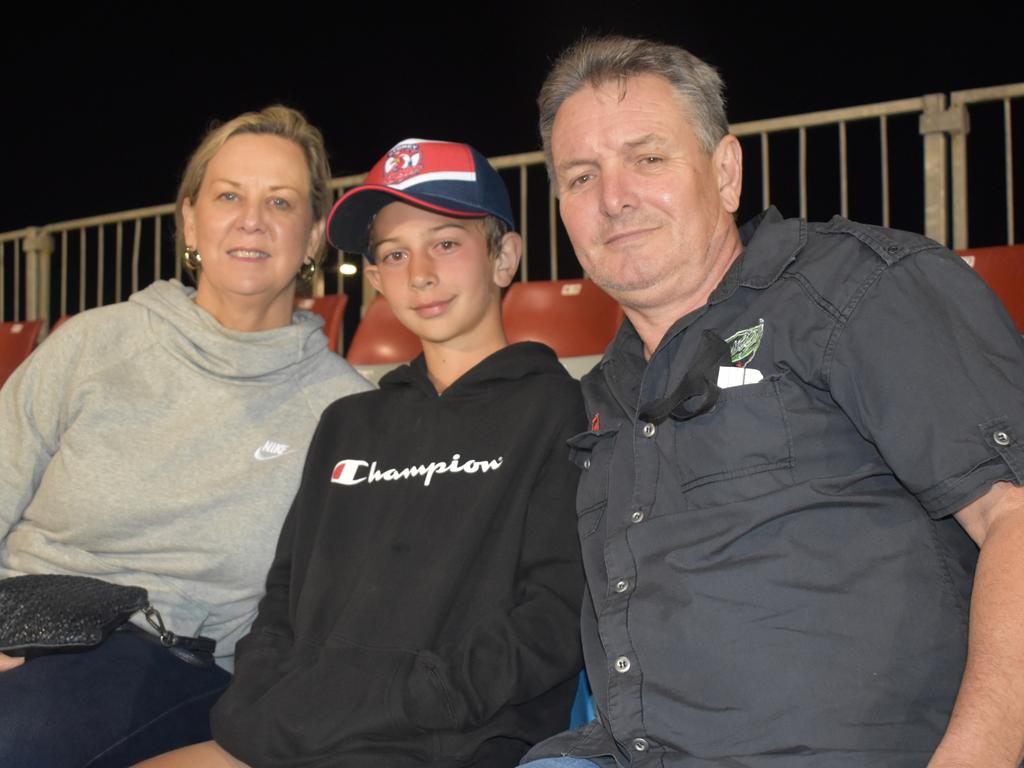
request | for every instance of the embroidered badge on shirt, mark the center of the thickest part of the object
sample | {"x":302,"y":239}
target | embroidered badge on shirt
{"x":743,"y":345}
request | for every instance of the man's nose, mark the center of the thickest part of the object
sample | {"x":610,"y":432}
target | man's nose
{"x":617,"y":190}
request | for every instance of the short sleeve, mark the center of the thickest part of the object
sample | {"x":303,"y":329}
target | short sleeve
{"x":930,"y":368}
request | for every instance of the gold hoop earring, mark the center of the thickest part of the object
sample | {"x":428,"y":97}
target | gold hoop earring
{"x":307,"y":270}
{"x":193,"y":260}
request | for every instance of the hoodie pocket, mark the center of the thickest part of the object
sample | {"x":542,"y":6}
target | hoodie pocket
{"x":336,"y":699}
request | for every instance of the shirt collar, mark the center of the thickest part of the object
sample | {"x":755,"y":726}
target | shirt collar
{"x":770,"y":244}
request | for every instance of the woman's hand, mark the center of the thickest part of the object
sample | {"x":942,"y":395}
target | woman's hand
{"x":10,"y":662}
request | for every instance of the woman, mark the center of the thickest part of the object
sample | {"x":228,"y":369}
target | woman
{"x":159,"y":443}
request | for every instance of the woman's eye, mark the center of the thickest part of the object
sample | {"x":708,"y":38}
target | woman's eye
{"x":280,"y":202}
{"x":229,"y":196}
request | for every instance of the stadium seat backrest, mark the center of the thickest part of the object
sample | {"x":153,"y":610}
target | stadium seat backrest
{"x":17,"y":340}
{"x":1002,"y":267}
{"x":59,"y":322}
{"x":331,"y":309}
{"x":381,"y":339}
{"x":573,"y":317}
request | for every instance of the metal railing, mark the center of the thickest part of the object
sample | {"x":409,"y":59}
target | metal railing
{"x":843,"y":159}
{"x":1007,"y":97}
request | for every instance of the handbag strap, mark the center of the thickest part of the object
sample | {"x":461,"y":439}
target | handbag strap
{"x":203,"y":647}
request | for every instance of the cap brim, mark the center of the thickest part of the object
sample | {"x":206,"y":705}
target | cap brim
{"x":348,"y":225}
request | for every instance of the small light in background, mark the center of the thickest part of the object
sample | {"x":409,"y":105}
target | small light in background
{"x":347,"y":269}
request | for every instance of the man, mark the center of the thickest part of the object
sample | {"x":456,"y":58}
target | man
{"x":794,"y":440}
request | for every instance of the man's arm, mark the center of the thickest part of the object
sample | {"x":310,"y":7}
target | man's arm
{"x":987,"y":724}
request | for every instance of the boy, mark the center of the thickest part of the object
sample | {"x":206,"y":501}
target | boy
{"x":422,"y":608}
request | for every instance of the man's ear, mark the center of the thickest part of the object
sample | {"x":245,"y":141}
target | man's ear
{"x":506,"y":260}
{"x":728,"y":163}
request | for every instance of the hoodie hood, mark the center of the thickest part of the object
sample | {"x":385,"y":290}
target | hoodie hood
{"x":191,"y":333}
{"x":511,"y":363}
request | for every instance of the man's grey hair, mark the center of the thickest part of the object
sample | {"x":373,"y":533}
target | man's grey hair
{"x":594,"y":61}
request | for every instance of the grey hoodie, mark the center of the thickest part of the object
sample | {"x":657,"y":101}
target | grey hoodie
{"x":146,"y":444}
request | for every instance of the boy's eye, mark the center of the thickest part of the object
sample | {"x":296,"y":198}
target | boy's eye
{"x":391,"y":257}
{"x":447,"y":245}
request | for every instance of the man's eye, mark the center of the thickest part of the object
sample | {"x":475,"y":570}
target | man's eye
{"x":650,"y":160}
{"x":582,"y":179}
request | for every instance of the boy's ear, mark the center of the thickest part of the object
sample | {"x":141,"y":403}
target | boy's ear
{"x":372,"y":272}
{"x":506,"y":262}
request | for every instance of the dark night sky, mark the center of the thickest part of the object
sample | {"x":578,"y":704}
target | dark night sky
{"x":102,"y":107}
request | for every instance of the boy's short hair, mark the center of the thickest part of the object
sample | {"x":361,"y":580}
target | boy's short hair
{"x":494,"y":231}
{"x":444,"y":177}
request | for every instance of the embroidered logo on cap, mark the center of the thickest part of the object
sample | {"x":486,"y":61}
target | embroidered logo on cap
{"x":403,"y":161}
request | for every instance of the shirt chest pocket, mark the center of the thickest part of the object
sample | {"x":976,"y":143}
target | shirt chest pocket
{"x":739,"y":450}
{"x":592,"y":453}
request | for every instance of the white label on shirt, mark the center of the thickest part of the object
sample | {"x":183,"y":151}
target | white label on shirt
{"x":729,"y":376}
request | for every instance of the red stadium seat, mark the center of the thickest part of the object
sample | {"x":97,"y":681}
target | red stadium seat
{"x":1002,"y":267}
{"x":59,"y":322}
{"x":381,"y":339}
{"x":17,"y":340}
{"x":331,"y":309}
{"x":573,"y":317}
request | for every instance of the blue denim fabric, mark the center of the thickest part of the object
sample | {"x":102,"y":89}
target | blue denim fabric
{"x":124,"y":701}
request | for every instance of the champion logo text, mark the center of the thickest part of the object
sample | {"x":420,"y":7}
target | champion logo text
{"x":356,"y":471}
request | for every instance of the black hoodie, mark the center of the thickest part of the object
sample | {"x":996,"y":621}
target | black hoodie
{"x":423,"y":605}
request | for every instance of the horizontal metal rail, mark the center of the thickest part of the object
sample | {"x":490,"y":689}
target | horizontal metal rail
{"x":99,"y":259}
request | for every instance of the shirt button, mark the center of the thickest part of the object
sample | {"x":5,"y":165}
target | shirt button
{"x":649,"y":430}
{"x":1001,"y":438}
{"x":622,"y":664}
{"x":637,"y":516}
{"x":621,"y":585}
{"x":640,"y":745}
{"x":586,"y":463}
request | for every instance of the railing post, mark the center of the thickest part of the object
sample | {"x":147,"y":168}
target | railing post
{"x":935,"y":124}
{"x":38,"y":248}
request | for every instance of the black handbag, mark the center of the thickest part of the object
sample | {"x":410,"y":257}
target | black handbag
{"x":48,"y":613}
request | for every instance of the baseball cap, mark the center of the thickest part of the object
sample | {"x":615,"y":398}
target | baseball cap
{"x":442,"y":176}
